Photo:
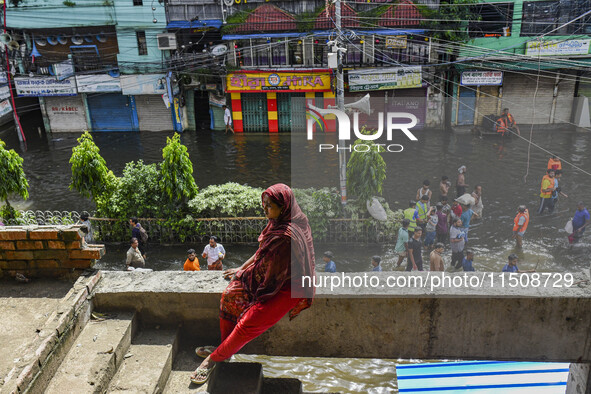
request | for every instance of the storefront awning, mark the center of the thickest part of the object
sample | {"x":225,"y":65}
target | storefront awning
{"x":217,"y":23}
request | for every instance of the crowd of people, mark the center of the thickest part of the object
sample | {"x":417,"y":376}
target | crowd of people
{"x":430,"y":228}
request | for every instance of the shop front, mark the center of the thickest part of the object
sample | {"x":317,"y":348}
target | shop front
{"x":396,"y":89}
{"x":274,"y":101}
{"x":155,"y":110}
{"x":478,"y":95}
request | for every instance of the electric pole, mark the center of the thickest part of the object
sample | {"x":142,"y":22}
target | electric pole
{"x":340,"y":99}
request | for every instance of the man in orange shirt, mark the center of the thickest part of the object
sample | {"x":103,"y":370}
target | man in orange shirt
{"x":192,"y":263}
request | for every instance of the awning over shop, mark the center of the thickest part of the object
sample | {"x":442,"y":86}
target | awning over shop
{"x":217,"y":23}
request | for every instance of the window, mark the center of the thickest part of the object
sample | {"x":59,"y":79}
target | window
{"x":320,"y":52}
{"x":494,"y":20}
{"x":138,"y":2}
{"x":539,"y":17}
{"x":416,"y":52}
{"x":278,"y":56}
{"x":142,"y":46}
{"x":296,"y":52}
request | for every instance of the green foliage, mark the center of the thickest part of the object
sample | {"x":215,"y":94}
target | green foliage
{"x":229,"y":199}
{"x":69,"y":3}
{"x":306,"y":20}
{"x":90,"y":175}
{"x":449,"y":20}
{"x":235,"y":20}
{"x":16,"y":2}
{"x":137,"y":193}
{"x":369,"y":18}
{"x":320,"y":205}
{"x":176,"y":172}
{"x":366,"y":172}
{"x":13,"y":178}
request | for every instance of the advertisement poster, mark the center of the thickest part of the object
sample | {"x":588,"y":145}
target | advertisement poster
{"x":297,"y":81}
{"x":482,"y":78}
{"x":97,"y":83}
{"x":557,"y":48}
{"x":386,"y":78}
{"x":45,"y":86}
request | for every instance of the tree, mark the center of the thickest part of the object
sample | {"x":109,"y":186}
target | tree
{"x":90,"y":175}
{"x":13,"y":178}
{"x":366,"y":171}
{"x":176,"y":172}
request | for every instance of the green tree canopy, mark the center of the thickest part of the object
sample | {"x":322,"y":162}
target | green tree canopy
{"x":366,"y":172}
{"x":12,"y":174}
{"x":177,"y":172}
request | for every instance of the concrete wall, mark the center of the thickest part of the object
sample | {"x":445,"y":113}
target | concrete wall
{"x":41,"y":14}
{"x":500,"y":324}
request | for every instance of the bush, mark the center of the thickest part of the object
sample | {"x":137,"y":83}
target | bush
{"x":230,"y":199}
{"x":366,"y":172}
{"x":320,"y":205}
{"x":13,"y":179}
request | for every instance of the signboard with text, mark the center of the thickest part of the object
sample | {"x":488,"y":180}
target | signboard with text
{"x":294,"y":81}
{"x":4,"y":92}
{"x":44,"y":86}
{"x":97,"y":83}
{"x":396,"y":42}
{"x":385,"y":78}
{"x":482,"y":78}
{"x":557,"y":48}
{"x":5,"y":107}
{"x":143,"y":84}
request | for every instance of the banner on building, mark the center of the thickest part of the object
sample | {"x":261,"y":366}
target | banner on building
{"x":3,"y":77}
{"x":5,"y":107}
{"x":557,"y":48}
{"x":4,"y":92}
{"x":63,"y":70}
{"x":292,"y":81}
{"x":44,"y":86}
{"x":385,"y":78}
{"x":143,"y":84}
{"x":216,"y":100}
{"x":97,"y":83}
{"x":396,"y":42}
{"x":482,"y":78}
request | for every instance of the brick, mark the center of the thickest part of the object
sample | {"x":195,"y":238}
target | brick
{"x":91,"y":254}
{"x":28,"y":245}
{"x":27,"y":375}
{"x":73,"y":245}
{"x":14,"y":265}
{"x":70,"y":234}
{"x":51,"y":255}
{"x":7,"y":245}
{"x":46,"y":346}
{"x":56,"y":245}
{"x":44,"y":264}
{"x":18,"y":255}
{"x":13,"y":235}
{"x":43,"y":234}
{"x":77,"y":263}
{"x":93,"y":281}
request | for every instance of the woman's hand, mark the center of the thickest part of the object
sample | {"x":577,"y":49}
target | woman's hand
{"x":229,"y":273}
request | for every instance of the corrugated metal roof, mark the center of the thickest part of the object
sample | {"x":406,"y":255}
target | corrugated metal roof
{"x":268,"y":18}
{"x":404,"y":13}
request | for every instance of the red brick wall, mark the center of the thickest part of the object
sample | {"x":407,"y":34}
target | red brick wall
{"x":45,"y":251}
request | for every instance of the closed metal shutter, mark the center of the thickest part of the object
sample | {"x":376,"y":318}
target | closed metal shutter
{"x":291,"y":112}
{"x":66,"y":113}
{"x":111,"y":112}
{"x":254,"y":112}
{"x":518,"y":96}
{"x":153,"y":114}
{"x":413,"y":101}
{"x":488,"y":102}
{"x":564,"y":99}
{"x":466,"y":105}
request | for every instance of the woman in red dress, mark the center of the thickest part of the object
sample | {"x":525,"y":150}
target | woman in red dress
{"x":269,"y":284}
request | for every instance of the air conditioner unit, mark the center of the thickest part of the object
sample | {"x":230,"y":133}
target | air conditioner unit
{"x":166,"y":41}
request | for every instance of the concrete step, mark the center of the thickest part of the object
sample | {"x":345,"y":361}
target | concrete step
{"x":183,"y":366}
{"x":95,"y":356}
{"x":281,"y":385}
{"x":147,"y":364}
{"x":236,"y":378}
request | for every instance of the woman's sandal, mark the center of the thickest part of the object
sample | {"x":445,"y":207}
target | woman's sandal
{"x":202,"y":375}
{"x":204,"y":351}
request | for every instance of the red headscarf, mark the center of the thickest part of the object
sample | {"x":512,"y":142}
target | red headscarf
{"x":286,"y":249}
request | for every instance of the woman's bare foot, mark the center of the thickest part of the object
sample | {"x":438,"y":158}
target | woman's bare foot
{"x":205,"y":365}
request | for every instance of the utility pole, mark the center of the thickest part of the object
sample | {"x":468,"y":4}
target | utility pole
{"x":340,"y":99}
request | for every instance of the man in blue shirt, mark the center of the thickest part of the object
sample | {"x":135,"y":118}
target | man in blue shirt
{"x":330,"y":265}
{"x":468,"y":260}
{"x":375,"y":263}
{"x":402,"y":241}
{"x":580,"y":220}
{"x":512,"y":265}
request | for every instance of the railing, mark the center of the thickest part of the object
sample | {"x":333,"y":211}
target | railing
{"x":230,"y":230}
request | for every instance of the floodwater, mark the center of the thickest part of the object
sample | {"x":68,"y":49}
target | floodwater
{"x":263,"y":159}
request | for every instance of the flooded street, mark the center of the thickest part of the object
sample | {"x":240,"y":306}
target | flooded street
{"x":263,"y":159}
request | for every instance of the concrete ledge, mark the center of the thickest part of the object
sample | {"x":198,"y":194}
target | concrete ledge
{"x":523,"y":323}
